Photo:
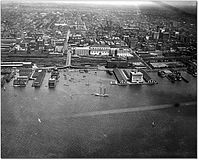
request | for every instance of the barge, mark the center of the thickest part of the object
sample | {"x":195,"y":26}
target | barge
{"x":52,"y":83}
{"x":38,"y":81}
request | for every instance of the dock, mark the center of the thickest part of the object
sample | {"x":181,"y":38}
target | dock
{"x":119,"y":76}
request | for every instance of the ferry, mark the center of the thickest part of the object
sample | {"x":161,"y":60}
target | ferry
{"x":52,"y":83}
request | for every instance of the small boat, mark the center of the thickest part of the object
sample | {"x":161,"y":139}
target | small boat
{"x":161,"y":74}
{"x":113,"y":82}
{"x":87,"y":84}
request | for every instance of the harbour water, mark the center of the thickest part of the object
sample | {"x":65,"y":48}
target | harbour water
{"x":35,"y":120}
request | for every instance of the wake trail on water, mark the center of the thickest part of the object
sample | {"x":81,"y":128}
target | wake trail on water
{"x":126,"y":110}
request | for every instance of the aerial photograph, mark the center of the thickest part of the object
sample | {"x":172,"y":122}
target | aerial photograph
{"x":98,"y":79}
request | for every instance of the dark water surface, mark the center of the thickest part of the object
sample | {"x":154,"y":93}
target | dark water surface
{"x":35,"y":121}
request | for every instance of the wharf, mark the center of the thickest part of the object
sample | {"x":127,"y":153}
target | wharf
{"x":119,"y":76}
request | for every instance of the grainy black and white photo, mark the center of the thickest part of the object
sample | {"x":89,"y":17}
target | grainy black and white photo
{"x":98,"y":79}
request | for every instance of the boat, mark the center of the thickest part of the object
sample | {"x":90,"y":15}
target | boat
{"x":161,"y":74}
{"x":171,"y":78}
{"x":101,"y":94}
{"x":19,"y":83}
{"x":52,"y":83}
{"x":87,"y":84}
{"x":113,"y":82}
{"x":178,"y":76}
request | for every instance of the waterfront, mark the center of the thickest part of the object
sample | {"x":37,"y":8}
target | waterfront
{"x":35,"y":121}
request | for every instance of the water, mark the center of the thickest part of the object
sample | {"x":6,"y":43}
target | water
{"x":35,"y":123}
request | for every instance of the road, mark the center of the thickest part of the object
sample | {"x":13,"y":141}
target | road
{"x":135,"y":54}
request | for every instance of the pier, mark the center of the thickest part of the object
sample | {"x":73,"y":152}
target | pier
{"x":119,"y":76}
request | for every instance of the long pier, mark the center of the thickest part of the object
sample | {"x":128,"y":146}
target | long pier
{"x":119,"y":76}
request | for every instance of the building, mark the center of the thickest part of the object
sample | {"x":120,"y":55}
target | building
{"x":81,"y":51}
{"x":117,"y":63}
{"x":97,"y":49}
{"x":136,"y":77}
{"x":124,"y":52}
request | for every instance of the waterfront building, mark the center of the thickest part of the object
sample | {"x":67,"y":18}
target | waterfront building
{"x":100,"y":50}
{"x":81,"y":51}
{"x":136,"y":77}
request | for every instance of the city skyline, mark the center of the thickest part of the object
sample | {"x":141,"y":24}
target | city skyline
{"x":109,"y":2}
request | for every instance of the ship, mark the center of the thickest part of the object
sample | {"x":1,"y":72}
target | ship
{"x":100,"y":94}
{"x":52,"y":83}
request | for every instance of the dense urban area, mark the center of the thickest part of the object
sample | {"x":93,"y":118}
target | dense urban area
{"x":52,"y":45}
